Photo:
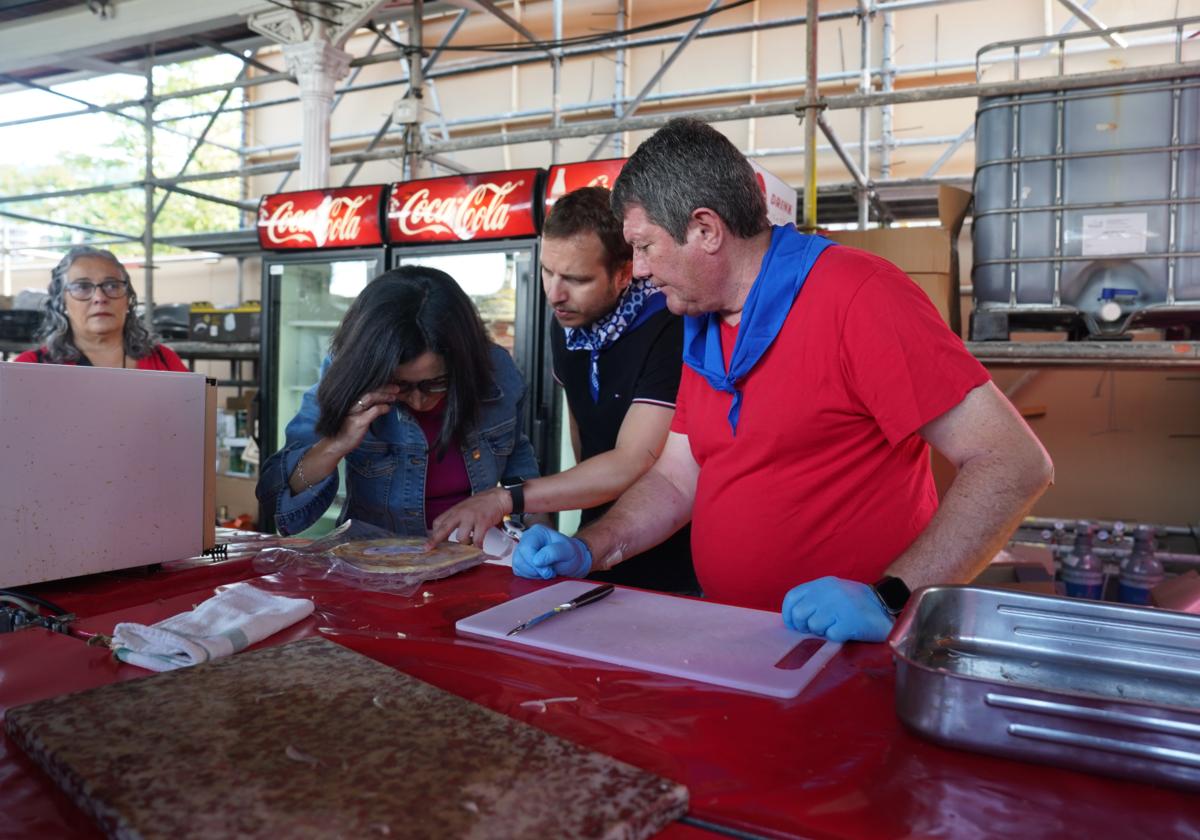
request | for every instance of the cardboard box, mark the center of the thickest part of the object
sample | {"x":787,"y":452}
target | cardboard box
{"x":243,"y":401}
{"x":929,"y":255}
{"x":240,"y":323}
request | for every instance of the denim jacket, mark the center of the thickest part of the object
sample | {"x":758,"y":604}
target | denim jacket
{"x":385,"y":475}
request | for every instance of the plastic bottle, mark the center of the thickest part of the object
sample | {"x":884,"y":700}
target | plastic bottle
{"x":1083,"y":571}
{"x":1141,"y":571}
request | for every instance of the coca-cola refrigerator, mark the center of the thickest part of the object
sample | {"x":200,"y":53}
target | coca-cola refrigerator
{"x":321,"y":247}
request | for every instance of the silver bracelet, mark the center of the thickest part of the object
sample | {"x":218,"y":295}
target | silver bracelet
{"x":308,"y":485}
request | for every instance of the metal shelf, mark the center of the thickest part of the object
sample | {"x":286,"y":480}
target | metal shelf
{"x":214,"y":349}
{"x":1130,"y":355}
{"x":12,"y":348}
{"x":189,"y":349}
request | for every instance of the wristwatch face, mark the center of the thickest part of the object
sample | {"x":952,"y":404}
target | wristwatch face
{"x":893,"y":592}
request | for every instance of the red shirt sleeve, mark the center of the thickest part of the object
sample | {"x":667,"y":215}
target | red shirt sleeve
{"x":27,"y":356}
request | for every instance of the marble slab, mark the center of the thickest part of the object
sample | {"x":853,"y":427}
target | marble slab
{"x":310,"y":739}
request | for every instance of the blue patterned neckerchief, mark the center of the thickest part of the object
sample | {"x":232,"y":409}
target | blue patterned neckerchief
{"x":785,"y":267}
{"x":637,"y":303}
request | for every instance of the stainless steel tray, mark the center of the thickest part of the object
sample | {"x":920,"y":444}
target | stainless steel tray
{"x":1098,"y":687}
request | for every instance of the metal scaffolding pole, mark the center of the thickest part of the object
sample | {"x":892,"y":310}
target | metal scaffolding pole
{"x":89,"y":108}
{"x":618,"y":43}
{"x":468,"y":67}
{"x":625,"y":119}
{"x":199,"y":141}
{"x":887,"y":63}
{"x":605,"y":106}
{"x":658,"y":74}
{"x":416,"y":88}
{"x":148,"y":231}
{"x":749,"y":89}
{"x":866,"y":190}
{"x":69,"y":225}
{"x":240,"y":204}
{"x":967,"y":134}
{"x":768,"y":109}
{"x":808,"y":113}
{"x":99,"y":188}
{"x":864,"y":114}
{"x":556,"y":59}
{"x":426,"y":66}
{"x":619,"y":94}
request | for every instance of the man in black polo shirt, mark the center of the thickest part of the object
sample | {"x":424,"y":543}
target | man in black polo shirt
{"x":617,"y":354}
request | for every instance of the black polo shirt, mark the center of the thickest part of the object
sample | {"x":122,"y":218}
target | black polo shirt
{"x":643,"y":365}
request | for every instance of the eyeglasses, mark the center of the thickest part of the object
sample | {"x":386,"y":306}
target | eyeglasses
{"x":439,"y":385}
{"x":84,"y":289}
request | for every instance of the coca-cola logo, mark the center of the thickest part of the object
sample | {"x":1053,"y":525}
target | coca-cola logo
{"x":335,"y":220}
{"x":574,"y":176}
{"x":484,"y":210}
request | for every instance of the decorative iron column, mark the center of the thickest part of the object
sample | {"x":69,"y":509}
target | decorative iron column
{"x":312,"y":35}
{"x":318,"y":66}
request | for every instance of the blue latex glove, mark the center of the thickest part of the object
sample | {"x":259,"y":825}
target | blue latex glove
{"x":840,"y":610}
{"x":544,"y":553}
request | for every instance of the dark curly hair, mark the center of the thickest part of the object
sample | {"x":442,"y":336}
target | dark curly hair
{"x":55,"y":331}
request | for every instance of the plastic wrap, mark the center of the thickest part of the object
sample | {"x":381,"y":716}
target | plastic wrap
{"x":327,"y":559}
{"x":835,"y":762}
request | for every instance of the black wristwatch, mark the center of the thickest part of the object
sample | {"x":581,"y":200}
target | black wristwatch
{"x":516,"y":489}
{"x":892,"y":592}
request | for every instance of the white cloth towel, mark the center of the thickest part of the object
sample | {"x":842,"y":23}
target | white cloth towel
{"x":231,"y":620}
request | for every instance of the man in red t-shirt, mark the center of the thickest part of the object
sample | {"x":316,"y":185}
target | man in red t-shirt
{"x":816,"y":378}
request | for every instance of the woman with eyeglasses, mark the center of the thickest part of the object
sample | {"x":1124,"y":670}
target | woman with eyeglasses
{"x":421,"y":405}
{"x":91,"y":318}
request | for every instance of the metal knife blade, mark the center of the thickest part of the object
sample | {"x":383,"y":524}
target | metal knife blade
{"x":589,"y":597}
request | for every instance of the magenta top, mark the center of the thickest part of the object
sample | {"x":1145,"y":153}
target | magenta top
{"x":446,"y":481}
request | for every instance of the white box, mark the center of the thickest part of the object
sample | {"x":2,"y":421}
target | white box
{"x":101,"y":469}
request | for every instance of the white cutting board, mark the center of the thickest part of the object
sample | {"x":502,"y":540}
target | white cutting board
{"x":713,"y":643}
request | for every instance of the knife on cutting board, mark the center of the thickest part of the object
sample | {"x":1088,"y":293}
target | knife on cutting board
{"x":734,"y":647}
{"x":590,"y":597}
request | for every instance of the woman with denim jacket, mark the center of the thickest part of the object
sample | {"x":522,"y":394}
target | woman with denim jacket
{"x":418,"y":401}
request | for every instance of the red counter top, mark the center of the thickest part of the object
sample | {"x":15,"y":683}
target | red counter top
{"x":834,"y":762}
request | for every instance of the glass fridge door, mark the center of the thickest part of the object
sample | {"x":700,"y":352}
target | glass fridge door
{"x":500,"y":278}
{"x":489,"y":278}
{"x":311,"y":296}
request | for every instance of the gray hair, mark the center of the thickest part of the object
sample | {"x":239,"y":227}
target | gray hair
{"x":685,"y":165}
{"x":55,"y":331}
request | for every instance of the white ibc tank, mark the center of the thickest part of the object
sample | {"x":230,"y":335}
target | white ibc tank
{"x":1086,"y":207}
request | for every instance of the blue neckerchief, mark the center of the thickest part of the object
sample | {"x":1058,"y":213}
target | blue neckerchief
{"x":785,"y":267}
{"x":637,"y":303}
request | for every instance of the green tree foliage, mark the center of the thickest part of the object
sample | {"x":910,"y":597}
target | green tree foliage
{"x":120,"y":158}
